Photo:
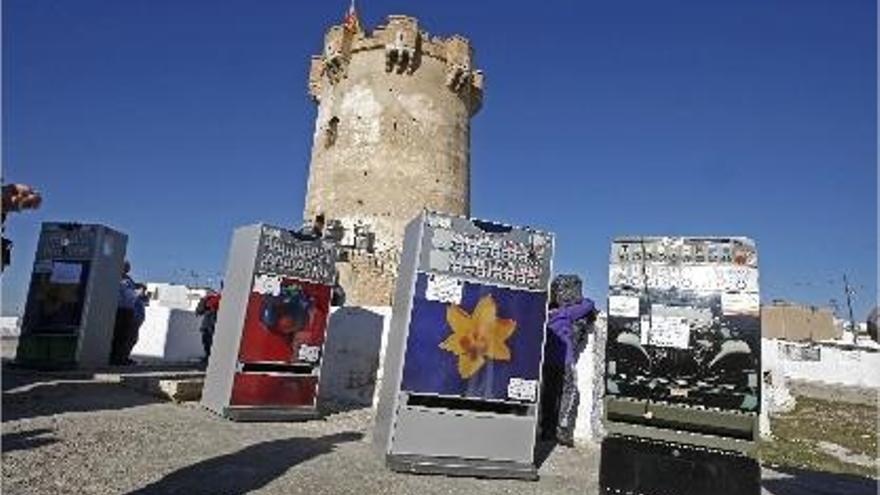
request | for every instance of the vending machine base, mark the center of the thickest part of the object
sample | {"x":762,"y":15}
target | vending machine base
{"x":650,"y":467}
{"x":262,"y":413}
{"x":46,"y":352}
{"x":456,"y":466}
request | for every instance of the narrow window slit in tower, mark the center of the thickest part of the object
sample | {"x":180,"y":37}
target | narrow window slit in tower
{"x":332,"y":132}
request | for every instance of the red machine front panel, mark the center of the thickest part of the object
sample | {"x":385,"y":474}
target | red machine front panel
{"x":257,"y":389}
{"x":288,"y":327}
{"x":285,"y":327}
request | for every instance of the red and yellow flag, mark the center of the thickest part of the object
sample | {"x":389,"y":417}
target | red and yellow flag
{"x":352,"y":23}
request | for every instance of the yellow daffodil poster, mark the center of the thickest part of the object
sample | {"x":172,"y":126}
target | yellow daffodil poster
{"x":475,"y":344}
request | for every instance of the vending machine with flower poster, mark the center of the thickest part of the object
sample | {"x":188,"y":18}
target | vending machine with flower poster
{"x":683,"y":367}
{"x":73,"y":296}
{"x":266,"y":356}
{"x":462,"y":365}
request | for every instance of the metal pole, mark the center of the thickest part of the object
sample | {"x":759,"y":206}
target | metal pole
{"x":849,"y":293}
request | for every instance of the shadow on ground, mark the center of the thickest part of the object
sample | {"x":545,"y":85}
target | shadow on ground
{"x":543,"y":449}
{"x":25,"y":440}
{"x":798,"y":482}
{"x":33,"y":395}
{"x":248,"y":469}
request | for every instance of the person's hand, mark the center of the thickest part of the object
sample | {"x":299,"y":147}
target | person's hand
{"x":20,"y":197}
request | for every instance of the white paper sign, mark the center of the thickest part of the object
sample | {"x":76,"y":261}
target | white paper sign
{"x":309,"y":353}
{"x":644,"y":329}
{"x":669,"y":331}
{"x":440,"y":222}
{"x":444,"y":289}
{"x":65,"y":273}
{"x":267,"y":284}
{"x":702,"y":277}
{"x":520,"y":389}
{"x":735,"y":304}
{"x":625,"y":306}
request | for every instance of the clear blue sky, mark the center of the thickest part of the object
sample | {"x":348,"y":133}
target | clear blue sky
{"x":177,"y":120}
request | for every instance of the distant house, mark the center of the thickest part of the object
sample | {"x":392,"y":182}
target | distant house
{"x":10,"y":326}
{"x":174,"y":296}
{"x":797,"y":322}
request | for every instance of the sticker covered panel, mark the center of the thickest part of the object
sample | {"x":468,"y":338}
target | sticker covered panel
{"x":683,"y":323}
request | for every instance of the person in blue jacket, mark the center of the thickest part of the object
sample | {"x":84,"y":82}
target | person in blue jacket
{"x":568,"y":325}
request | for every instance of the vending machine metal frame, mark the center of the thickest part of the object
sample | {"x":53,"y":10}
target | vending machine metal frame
{"x":482,"y":432}
{"x":683,"y":366}
{"x":262,"y":259}
{"x":79,"y":267}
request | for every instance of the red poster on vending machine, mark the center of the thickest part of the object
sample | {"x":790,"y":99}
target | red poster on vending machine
{"x":285,"y":325}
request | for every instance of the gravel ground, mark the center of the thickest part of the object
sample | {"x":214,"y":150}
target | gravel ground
{"x":91,"y":436}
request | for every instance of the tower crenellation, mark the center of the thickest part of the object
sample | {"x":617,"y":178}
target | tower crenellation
{"x":404,"y":46}
{"x":392,"y":137}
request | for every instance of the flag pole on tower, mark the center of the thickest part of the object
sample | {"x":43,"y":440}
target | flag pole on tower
{"x":352,"y":23}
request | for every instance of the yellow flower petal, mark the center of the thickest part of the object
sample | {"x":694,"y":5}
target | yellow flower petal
{"x":486,"y":310}
{"x":468,"y":365}
{"x":477,"y":336}
{"x":452,"y":344}
{"x":459,"y":321}
{"x":498,"y":336}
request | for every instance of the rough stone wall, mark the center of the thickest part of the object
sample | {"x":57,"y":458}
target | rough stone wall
{"x":392,"y":137}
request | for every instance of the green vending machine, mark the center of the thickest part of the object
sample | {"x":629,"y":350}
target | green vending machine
{"x":683,"y":367}
{"x":74,"y":289}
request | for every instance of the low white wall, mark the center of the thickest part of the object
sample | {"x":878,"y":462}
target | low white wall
{"x":591,"y":385}
{"x":10,"y":326}
{"x":826,"y":362}
{"x":170,"y":335}
{"x":354,"y":352}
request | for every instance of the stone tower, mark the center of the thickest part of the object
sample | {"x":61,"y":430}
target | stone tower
{"x":392,"y":137}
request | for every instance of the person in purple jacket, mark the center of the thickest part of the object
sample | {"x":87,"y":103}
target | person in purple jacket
{"x":568,"y":325}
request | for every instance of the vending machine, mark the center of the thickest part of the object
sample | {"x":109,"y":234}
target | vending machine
{"x":73,"y":296}
{"x":462,"y":364}
{"x":683,"y":367}
{"x":268,"y":344}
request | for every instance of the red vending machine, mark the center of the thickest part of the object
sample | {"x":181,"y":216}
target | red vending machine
{"x":266,"y":357}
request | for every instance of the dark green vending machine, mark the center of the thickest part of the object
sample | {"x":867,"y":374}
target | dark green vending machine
{"x":74,"y":290}
{"x":683,"y":367}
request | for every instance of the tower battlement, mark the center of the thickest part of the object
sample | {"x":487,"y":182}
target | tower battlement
{"x":404,"y":45}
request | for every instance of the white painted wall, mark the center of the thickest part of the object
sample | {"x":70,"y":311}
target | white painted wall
{"x":354,"y":352}
{"x":10,"y":326}
{"x":838,"y":364}
{"x":170,"y":335}
{"x":591,"y":384}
